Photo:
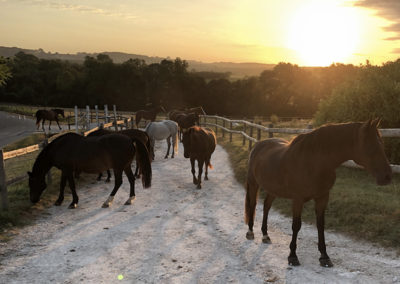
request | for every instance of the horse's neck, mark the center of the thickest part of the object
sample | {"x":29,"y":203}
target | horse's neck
{"x":42,"y":164}
{"x":335,"y":147}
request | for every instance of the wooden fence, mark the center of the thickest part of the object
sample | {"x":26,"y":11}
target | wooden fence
{"x":118,"y":122}
{"x":251,"y":129}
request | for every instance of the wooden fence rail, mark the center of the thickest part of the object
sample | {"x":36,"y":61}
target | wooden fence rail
{"x":386,"y":132}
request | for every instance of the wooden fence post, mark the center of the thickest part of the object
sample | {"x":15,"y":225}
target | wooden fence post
{"x":105,"y":114}
{"x":270,"y":133}
{"x":3,"y":184}
{"x":97,"y":114}
{"x":230,"y":133}
{"x":132,"y":123}
{"x":244,"y":130}
{"x":87,"y":117}
{"x":216,"y":127}
{"x":251,"y":135}
{"x":76,"y":119}
{"x":259,"y":133}
{"x":115,"y":117}
{"x":223,"y":130}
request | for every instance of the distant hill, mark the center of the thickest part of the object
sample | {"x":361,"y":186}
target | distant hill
{"x":238,"y":70}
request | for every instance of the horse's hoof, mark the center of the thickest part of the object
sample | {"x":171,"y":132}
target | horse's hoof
{"x":250,"y":235}
{"x":107,"y":181}
{"x":205,"y":178}
{"x":105,"y":205}
{"x":293,"y":261}
{"x":57,"y":203}
{"x":325,"y":262}
{"x":130,"y":201}
{"x":198,"y":186}
{"x":72,"y":206}
{"x":266,"y":239}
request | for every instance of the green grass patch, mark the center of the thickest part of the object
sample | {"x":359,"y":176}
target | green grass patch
{"x":357,"y":206}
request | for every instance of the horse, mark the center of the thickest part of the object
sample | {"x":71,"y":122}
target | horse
{"x":148,"y":114}
{"x":173,"y":115}
{"x":72,"y":152}
{"x":199,"y":143}
{"x":132,"y":133}
{"x":304,"y":169}
{"x":163,"y":130}
{"x":50,"y":115}
{"x":186,"y":121}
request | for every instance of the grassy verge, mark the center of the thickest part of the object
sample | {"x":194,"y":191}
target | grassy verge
{"x":357,"y":206}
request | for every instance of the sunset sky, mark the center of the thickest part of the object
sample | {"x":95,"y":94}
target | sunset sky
{"x":304,"y":32}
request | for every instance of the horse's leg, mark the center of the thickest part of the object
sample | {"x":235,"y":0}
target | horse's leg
{"x":99,"y":176}
{"x":250,"y":206}
{"x":173,"y":137}
{"x":43,"y":124}
{"x":131,"y":178}
{"x":38,"y":123}
{"x":192,"y":161}
{"x":63,"y":182}
{"x":137,"y":174}
{"x":108,"y":176}
{"x":117,"y":184}
{"x":49,"y":123}
{"x":320,"y":206}
{"x":264,"y":228}
{"x":71,"y":183}
{"x":200,"y":164}
{"x":169,"y":146}
{"x":58,"y":123}
{"x":206,"y":169}
{"x":296,"y":225}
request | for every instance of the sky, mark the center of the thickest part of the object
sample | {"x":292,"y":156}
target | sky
{"x":303,"y":32}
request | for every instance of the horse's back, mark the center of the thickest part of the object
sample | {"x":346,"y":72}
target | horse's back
{"x":203,"y":140}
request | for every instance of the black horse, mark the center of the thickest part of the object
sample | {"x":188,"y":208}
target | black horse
{"x":132,"y":133}
{"x":72,"y":152}
{"x":50,"y":115}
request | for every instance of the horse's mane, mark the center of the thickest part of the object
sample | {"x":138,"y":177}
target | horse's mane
{"x":322,"y":138}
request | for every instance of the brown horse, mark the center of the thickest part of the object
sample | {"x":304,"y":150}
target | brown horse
{"x":174,"y":114}
{"x":148,"y":114}
{"x":199,"y":143}
{"x":186,"y":121}
{"x":304,"y":169}
{"x":72,"y":152}
{"x":50,"y":115}
{"x":133,"y":134}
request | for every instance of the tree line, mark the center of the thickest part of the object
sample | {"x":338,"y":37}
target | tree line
{"x":285,"y":90}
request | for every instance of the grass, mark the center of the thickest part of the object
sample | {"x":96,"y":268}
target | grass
{"x":357,"y":207}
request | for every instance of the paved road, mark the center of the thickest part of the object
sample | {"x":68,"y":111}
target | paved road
{"x":14,"y":127}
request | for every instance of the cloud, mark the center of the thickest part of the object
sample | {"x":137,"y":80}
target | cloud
{"x":60,"y":5}
{"x":387,"y":9}
{"x":396,"y":51}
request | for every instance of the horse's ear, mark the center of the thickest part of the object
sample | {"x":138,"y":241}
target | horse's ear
{"x":376,"y":122}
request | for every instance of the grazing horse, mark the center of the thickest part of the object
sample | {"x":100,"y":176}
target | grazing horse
{"x":199,"y":143}
{"x":72,"y":152}
{"x":132,"y":133}
{"x":304,"y":169}
{"x":50,"y":115}
{"x":148,"y":114}
{"x":163,"y":130}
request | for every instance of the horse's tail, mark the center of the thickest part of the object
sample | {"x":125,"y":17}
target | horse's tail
{"x":143,"y":159}
{"x":210,"y":166}
{"x":176,"y":141}
{"x":250,"y":202}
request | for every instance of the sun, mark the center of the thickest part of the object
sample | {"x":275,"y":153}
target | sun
{"x":322,"y":33}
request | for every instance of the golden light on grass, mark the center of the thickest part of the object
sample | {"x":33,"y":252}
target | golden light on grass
{"x":323,"y":32}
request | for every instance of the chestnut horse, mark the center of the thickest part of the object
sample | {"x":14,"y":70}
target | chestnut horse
{"x":50,"y":115}
{"x":72,"y":152}
{"x":148,"y":114}
{"x":199,"y":143}
{"x":304,"y":169}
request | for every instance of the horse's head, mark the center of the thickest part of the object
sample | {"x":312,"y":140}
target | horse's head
{"x":37,"y":185}
{"x":186,"y":141}
{"x":370,"y":154}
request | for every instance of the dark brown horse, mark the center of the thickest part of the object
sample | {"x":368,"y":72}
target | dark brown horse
{"x":186,"y":121}
{"x":133,"y":134}
{"x":148,"y":114}
{"x":75,"y":153}
{"x":304,"y":169}
{"x":50,"y":115}
{"x":174,"y":114}
{"x":199,"y":143}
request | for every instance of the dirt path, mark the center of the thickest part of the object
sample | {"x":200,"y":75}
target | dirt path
{"x":174,"y":233}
